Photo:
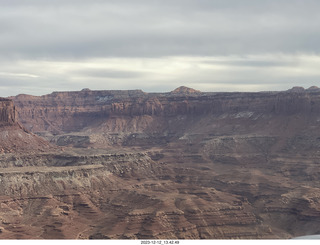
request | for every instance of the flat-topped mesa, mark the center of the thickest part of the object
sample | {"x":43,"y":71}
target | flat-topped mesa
{"x":7,"y":112}
{"x":63,"y":112}
{"x":313,"y":89}
{"x":298,"y":89}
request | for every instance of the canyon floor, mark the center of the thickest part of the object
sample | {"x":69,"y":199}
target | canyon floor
{"x":184,"y":165}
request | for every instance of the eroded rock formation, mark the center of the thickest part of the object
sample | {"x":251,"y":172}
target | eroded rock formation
{"x":178,"y":165}
{"x":14,"y":137}
{"x":7,"y":112}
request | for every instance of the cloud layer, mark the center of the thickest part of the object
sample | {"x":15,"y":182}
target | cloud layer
{"x":156,"y":44}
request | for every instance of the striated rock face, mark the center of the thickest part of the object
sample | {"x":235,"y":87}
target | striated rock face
{"x":73,"y":111}
{"x":70,"y":111}
{"x":104,"y":118}
{"x":178,"y":165}
{"x":7,"y":112}
{"x":13,"y":137}
{"x":117,"y":196}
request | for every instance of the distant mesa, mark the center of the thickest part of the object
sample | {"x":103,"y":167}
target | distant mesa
{"x":185,"y":90}
{"x":85,"y":90}
{"x":313,"y":89}
{"x":298,"y":89}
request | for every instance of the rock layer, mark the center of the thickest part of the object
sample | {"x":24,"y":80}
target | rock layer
{"x":62,"y":112}
{"x":180,"y":165}
{"x":14,"y":137}
{"x":7,"y":112}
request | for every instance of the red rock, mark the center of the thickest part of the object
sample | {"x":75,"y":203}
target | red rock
{"x":184,"y":165}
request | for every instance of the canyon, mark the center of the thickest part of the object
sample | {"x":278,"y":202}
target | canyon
{"x":184,"y":164}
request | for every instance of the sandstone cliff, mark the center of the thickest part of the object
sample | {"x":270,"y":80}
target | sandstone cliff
{"x":194,"y":165}
{"x":125,"y":117}
{"x":7,"y":112}
{"x":13,"y":136}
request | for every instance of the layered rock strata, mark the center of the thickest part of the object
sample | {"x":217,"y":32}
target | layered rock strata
{"x":62,"y":112}
{"x":7,"y":112}
{"x":173,"y":165}
{"x":13,"y":136}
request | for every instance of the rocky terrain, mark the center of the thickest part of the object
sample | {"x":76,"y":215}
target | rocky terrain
{"x":13,"y":136}
{"x":7,"y":112}
{"x":179,"y":165}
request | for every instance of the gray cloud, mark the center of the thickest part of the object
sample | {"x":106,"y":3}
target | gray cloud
{"x":147,"y":28}
{"x":255,"y":63}
{"x":107,"y":73}
{"x":35,"y":33}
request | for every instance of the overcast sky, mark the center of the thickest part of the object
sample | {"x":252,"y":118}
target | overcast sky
{"x":158,"y":45}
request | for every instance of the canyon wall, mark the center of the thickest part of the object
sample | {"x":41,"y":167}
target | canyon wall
{"x":104,"y":118}
{"x":13,"y":136}
{"x":178,"y":165}
{"x":62,"y":112}
{"x":7,"y":112}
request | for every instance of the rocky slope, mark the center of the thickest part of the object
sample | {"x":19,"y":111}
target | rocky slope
{"x":184,"y":164}
{"x":117,"y":196}
{"x":14,"y":137}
